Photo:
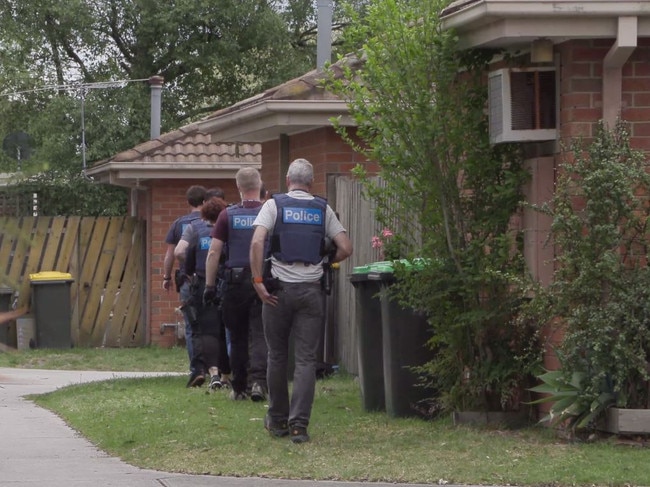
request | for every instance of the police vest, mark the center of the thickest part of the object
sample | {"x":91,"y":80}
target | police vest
{"x":182,"y":222}
{"x":196,"y":255}
{"x":179,"y":227}
{"x":299,"y":229}
{"x":240,"y":234}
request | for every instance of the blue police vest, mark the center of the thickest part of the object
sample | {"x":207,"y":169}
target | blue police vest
{"x":240,"y":234}
{"x":179,"y":227}
{"x":196,"y":256}
{"x":299,"y":229}
{"x":182,"y":222}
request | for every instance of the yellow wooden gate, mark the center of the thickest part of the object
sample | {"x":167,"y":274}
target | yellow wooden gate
{"x":104,"y":255}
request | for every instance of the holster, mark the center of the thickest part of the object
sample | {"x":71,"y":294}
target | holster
{"x":272,"y":284}
{"x":194,"y":303}
{"x":326,"y":280}
{"x":237,"y":275}
{"x":179,"y":279}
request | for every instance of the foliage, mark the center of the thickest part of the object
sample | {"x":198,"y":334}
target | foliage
{"x":145,"y":359}
{"x":452,"y":195}
{"x":570,"y":408}
{"x":62,"y":55}
{"x":600,"y":294}
{"x":70,"y":195}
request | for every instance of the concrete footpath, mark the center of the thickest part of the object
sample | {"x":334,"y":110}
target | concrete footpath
{"x":38,"y":449}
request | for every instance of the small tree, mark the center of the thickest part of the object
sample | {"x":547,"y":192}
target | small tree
{"x":419,"y":105}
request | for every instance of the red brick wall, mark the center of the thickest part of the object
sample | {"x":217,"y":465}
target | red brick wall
{"x":581,"y":107}
{"x":271,"y":173}
{"x":329,"y":154}
{"x":636,"y":95}
{"x":582,"y":84}
{"x":323,"y":147}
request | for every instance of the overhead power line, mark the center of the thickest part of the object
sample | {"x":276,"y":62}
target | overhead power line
{"x":77,"y":86}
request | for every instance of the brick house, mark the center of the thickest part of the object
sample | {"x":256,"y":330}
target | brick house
{"x":158,"y":172}
{"x":575,"y":63}
{"x":266,"y":131}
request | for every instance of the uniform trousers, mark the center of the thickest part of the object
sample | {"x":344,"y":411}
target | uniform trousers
{"x":242,"y":315}
{"x":208,"y":332}
{"x":299,"y":312}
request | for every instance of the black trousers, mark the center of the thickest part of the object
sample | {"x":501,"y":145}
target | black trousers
{"x":242,"y":315}
{"x":208,"y":332}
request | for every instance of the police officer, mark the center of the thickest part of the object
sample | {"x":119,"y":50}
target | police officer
{"x":298,"y":223}
{"x":242,"y":309}
{"x":208,"y":338}
{"x":195,"y":195}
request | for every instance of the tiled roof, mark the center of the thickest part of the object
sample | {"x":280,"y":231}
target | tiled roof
{"x":309,"y":86}
{"x":188,"y":145}
{"x":457,"y":5}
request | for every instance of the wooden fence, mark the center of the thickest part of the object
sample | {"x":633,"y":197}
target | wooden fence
{"x":104,"y":255}
{"x":357,"y":216}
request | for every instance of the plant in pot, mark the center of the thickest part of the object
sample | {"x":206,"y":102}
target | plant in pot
{"x":600,"y":294}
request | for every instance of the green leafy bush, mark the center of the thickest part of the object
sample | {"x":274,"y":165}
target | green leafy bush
{"x":571,"y":408}
{"x":600,"y":294}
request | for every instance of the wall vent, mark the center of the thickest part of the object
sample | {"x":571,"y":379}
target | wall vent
{"x":522,"y":105}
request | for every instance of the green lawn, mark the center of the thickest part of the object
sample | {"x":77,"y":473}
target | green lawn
{"x":158,"y":423}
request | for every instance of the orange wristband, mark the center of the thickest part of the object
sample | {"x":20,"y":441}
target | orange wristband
{"x":258,"y":280}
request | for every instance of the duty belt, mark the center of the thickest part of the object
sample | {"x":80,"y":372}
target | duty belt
{"x":237,"y":275}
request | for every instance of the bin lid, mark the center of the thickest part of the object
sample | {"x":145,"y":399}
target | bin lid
{"x":384,"y":270}
{"x":49,"y":276}
{"x":6,"y":290}
{"x":383,"y":266}
{"x":376,"y":271}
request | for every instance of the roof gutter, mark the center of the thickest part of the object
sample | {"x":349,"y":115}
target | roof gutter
{"x":508,"y":23}
{"x":130,"y":174}
{"x":264,"y":108}
{"x":472,"y":11}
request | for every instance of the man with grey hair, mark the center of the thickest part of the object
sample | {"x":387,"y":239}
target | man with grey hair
{"x":242,"y":309}
{"x":299,"y":224}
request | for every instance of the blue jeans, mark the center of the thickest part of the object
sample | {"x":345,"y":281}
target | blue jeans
{"x":299,"y":312}
{"x":184,"y":296}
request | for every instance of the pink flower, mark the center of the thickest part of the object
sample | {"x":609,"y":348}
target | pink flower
{"x":388,"y":244}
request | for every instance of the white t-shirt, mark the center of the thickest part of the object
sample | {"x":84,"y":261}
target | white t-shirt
{"x":298,"y":271}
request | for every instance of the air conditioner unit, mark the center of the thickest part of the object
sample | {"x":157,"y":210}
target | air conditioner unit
{"x":522,"y":105}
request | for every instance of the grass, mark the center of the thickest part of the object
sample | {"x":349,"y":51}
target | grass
{"x":146,"y":359}
{"x":158,"y":423}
